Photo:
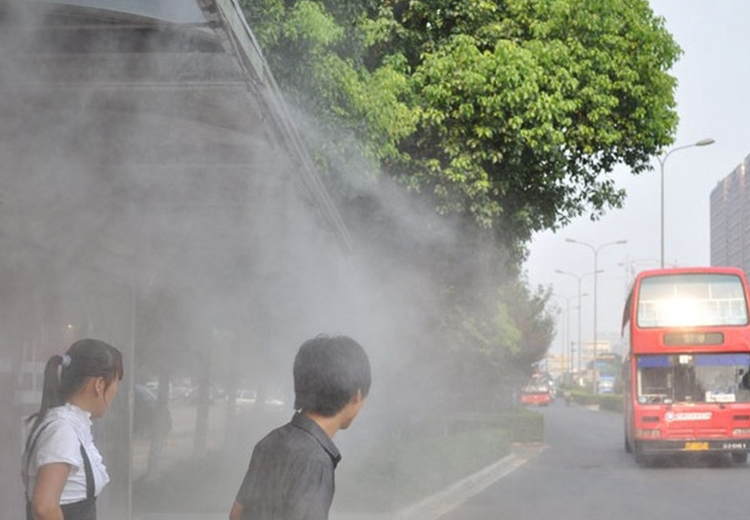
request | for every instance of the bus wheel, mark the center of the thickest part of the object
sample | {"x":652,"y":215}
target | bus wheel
{"x":739,"y":457}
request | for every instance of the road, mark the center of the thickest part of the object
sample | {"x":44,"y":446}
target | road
{"x":580,"y":473}
{"x":585,"y":474}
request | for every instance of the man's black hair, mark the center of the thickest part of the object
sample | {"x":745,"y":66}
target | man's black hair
{"x":328,"y":372}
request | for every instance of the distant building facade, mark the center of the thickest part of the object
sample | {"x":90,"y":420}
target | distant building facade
{"x":730,"y":219}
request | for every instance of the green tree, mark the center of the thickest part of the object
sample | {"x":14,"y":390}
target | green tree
{"x":511,"y":113}
{"x":505,"y":117}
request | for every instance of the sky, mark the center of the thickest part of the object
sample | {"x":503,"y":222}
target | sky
{"x":713,"y":86}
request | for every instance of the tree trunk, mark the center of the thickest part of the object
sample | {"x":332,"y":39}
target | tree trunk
{"x":161,"y":425}
{"x":204,"y":400}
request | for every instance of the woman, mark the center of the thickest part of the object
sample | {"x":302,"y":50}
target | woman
{"x":62,"y":470}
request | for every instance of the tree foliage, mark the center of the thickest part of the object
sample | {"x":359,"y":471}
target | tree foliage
{"x":512,"y":113}
{"x":506,"y":116}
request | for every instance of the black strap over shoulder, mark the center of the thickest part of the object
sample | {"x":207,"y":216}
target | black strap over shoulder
{"x":31,"y":436}
{"x":90,"y":487}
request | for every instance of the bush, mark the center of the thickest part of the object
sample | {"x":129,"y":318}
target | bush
{"x":611,"y":402}
{"x":526,"y":426}
{"x":522,"y":425}
{"x":583,"y":398}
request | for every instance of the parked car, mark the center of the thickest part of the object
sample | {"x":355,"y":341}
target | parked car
{"x":246,"y":397}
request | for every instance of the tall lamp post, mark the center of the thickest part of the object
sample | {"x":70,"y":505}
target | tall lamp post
{"x":595,"y":250}
{"x":662,"y":159}
{"x":579,"y":278}
{"x":566,"y":336}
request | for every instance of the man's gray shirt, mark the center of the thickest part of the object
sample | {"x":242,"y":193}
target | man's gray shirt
{"x":291,"y":474}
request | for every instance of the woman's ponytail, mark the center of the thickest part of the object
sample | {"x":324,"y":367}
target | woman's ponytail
{"x":51,"y":392}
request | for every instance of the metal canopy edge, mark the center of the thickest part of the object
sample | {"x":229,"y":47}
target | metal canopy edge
{"x":239,"y":40}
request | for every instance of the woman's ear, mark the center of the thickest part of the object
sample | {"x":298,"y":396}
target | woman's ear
{"x":100,"y":385}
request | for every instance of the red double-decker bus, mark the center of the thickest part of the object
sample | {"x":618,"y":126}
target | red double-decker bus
{"x":685,"y":376}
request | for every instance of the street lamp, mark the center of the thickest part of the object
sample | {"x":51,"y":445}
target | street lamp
{"x":566,"y":335}
{"x":662,"y":160}
{"x":578,"y":278}
{"x":595,"y":250}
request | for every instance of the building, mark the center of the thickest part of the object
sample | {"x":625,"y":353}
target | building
{"x":730,"y":220}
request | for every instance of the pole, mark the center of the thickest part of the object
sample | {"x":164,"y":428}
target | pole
{"x":662,"y":160}
{"x":595,"y":250}
{"x":596,"y":277}
{"x":572,"y":350}
{"x":661,"y":243}
{"x":580,"y":278}
{"x":565,"y":326}
{"x":567,"y":330}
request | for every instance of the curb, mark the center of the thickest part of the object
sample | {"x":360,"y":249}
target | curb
{"x":440,"y":503}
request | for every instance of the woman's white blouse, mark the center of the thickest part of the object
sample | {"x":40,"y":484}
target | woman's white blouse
{"x":69,"y":427}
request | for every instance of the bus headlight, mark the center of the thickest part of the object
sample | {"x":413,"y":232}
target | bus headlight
{"x":640,"y":432}
{"x":741,"y":432}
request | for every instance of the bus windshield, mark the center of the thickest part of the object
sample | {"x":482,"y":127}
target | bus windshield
{"x":691,"y":300}
{"x":538,"y":384}
{"x":536,"y":389}
{"x":679,"y":378}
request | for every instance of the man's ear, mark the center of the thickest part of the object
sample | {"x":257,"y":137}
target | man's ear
{"x":357,"y":398}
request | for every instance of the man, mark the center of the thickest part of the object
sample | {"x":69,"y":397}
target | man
{"x":291,"y":472}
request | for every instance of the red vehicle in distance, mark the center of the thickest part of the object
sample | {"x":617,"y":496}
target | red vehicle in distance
{"x":538,"y":391}
{"x":685,"y":377}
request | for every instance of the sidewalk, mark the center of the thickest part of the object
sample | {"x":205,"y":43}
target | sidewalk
{"x":430,"y":508}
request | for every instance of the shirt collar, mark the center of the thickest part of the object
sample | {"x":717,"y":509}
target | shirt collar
{"x":303,"y":422}
{"x":79,"y":413}
{"x":72,"y":413}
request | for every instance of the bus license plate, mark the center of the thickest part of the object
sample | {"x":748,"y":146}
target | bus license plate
{"x":696,"y":446}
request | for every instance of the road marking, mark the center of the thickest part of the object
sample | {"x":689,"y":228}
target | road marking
{"x":440,"y":503}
